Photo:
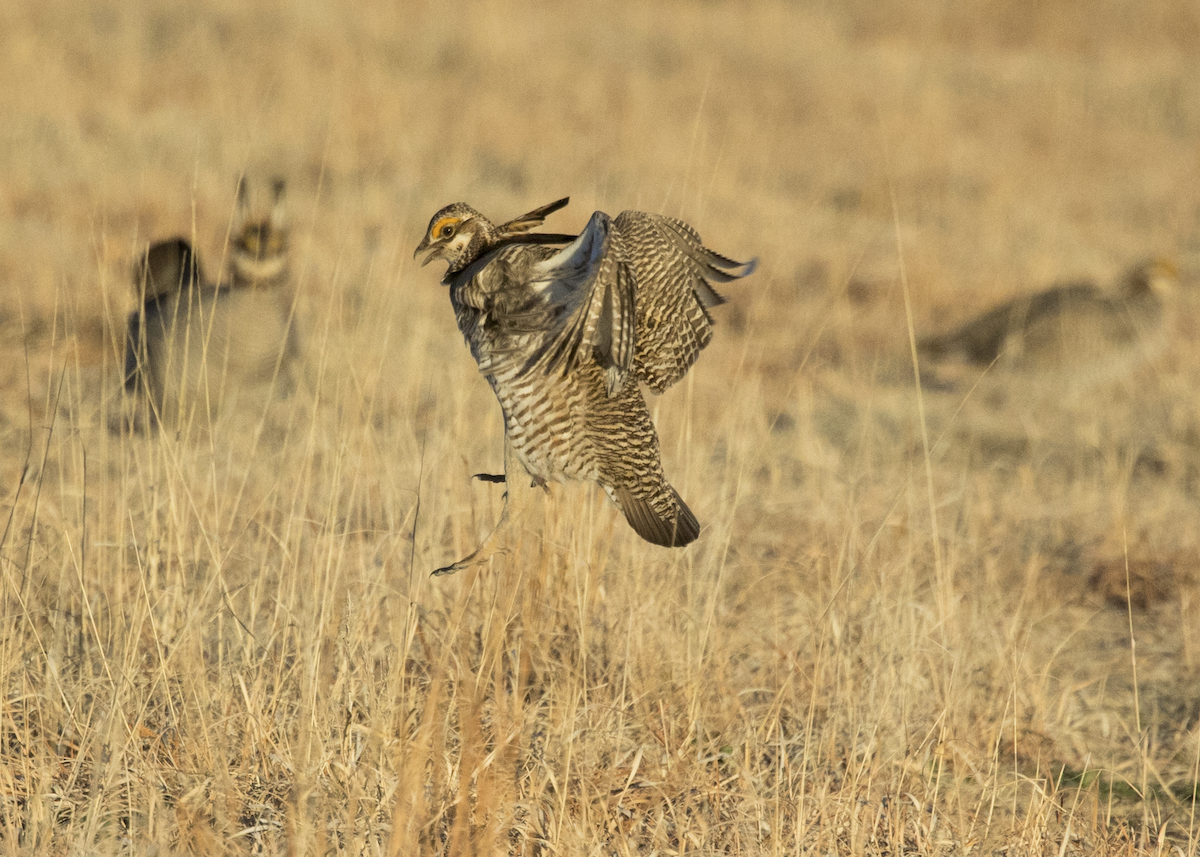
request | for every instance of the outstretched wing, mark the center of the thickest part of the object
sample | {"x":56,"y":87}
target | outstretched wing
{"x":633,"y":294}
{"x":674,"y":273}
{"x":588,"y":289}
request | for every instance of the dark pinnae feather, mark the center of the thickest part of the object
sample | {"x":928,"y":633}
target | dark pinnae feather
{"x":532,"y":218}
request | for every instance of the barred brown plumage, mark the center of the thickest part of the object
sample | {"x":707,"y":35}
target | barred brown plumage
{"x":565,"y":336}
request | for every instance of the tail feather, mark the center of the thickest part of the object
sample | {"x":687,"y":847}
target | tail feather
{"x":682,"y":529}
{"x":167,"y":267}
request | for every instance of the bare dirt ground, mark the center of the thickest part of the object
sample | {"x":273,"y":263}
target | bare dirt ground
{"x":960,"y":622}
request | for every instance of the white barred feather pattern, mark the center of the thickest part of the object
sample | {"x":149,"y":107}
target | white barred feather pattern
{"x":560,"y":333}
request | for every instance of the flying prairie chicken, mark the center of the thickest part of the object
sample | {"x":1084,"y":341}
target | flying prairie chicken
{"x":192,"y":345}
{"x":1075,"y":333}
{"x":565,"y":336}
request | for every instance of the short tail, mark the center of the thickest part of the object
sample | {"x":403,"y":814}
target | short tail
{"x":663,"y":520}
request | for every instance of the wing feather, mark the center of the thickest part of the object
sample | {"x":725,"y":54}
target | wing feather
{"x":632,"y":294}
{"x":674,"y":272}
{"x":591,"y":291}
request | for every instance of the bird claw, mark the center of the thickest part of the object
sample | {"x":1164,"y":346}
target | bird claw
{"x":500,"y":478}
{"x":467,"y":562}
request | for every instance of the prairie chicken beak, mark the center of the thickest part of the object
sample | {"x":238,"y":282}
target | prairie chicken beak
{"x":421,"y":248}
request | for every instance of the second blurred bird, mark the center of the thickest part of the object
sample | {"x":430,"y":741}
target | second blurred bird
{"x":1075,"y":335}
{"x":193,"y":346}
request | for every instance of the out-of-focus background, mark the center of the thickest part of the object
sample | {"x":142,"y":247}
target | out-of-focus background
{"x":952,"y":622}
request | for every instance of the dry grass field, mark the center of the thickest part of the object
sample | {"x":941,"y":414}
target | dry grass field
{"x":964,"y":620}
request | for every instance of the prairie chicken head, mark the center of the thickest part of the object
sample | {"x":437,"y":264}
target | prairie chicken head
{"x":458,"y":234}
{"x":1158,"y":277}
{"x":260,"y":245}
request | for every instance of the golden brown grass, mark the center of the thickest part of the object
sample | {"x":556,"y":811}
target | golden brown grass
{"x":225,"y":640}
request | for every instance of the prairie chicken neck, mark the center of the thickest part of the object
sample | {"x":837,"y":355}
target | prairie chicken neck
{"x":565,"y":335}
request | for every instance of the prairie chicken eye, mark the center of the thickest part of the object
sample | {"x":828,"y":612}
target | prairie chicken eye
{"x":447,"y":231}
